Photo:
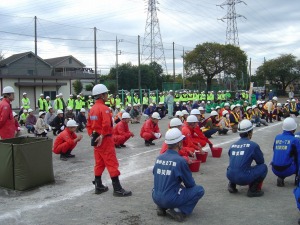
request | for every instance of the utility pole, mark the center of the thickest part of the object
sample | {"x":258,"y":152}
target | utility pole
{"x":174,"y":61}
{"x":95,"y":54}
{"x":232,"y":36}
{"x":117,"y":63}
{"x":139,"y":62}
{"x":250,"y":70}
{"x":35,"y":45}
{"x":153,"y":50}
{"x":183,"y":70}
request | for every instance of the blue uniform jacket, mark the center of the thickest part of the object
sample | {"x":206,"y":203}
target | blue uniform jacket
{"x":286,"y":147}
{"x":241,"y":154}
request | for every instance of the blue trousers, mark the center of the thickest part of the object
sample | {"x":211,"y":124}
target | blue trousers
{"x":287,"y":172}
{"x":170,"y":110}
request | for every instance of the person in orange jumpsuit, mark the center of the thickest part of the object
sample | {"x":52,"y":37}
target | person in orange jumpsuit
{"x":121,"y":131}
{"x":150,"y":130}
{"x":66,"y":141}
{"x":100,"y":127}
{"x":7,"y":121}
{"x":189,"y":133}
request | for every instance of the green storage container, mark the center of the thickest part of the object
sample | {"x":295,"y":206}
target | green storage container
{"x":25,"y":163}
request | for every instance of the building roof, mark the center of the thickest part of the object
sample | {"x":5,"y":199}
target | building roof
{"x":57,"y":60}
{"x":13,"y":58}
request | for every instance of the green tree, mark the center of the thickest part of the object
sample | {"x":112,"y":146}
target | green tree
{"x":77,"y":85}
{"x":280,"y":72}
{"x":89,"y":87}
{"x":210,"y":59}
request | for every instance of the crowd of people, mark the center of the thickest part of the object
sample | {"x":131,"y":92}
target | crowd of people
{"x":106,"y":118}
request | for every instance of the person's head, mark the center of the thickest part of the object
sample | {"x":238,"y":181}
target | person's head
{"x":179,"y":114}
{"x":245,"y":129}
{"x":72,"y":125}
{"x":289,"y":124}
{"x":245,"y":103}
{"x":218,"y":108}
{"x":30,"y":111}
{"x":225,"y":113}
{"x":78,"y":97}
{"x":90,"y":97}
{"x":15,"y":115}
{"x":274,"y":99}
{"x":160,"y":104}
{"x":279,"y":105}
{"x":50,"y":109}
{"x":249,"y":109}
{"x":185,"y":114}
{"x":150,"y":105}
{"x":202,"y":110}
{"x":176,"y":123}
{"x":126,"y":117}
{"x":226,"y":106}
{"x":47,"y":98}
{"x":60,"y":95}
{"x":60,"y":113}
{"x":42,"y":114}
{"x":135,"y":106}
{"x":192,"y":121}
{"x":196,"y":112}
{"x":82,"y":111}
{"x":173,"y":139}
{"x":42,"y":96}
{"x":8,"y":93}
{"x":155,"y":117}
{"x":25,"y":111}
{"x":69,"y":109}
{"x":71,"y":96}
{"x":100,"y":91}
{"x":24,"y":95}
{"x":214,"y":114}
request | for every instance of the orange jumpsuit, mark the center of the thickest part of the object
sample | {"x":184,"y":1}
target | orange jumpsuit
{"x":100,"y":121}
{"x":201,"y":137}
{"x":121,"y":133}
{"x":188,"y":132}
{"x":64,"y":142}
{"x":7,"y":121}
{"x":148,"y":129}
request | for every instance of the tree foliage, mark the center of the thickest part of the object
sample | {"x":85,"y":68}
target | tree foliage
{"x":280,"y":72}
{"x":210,"y":59}
{"x":77,"y":85}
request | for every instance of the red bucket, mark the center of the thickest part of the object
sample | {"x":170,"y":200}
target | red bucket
{"x":202,"y":156}
{"x":216,"y":152}
{"x":195,"y":165}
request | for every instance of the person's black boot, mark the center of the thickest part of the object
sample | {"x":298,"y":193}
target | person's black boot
{"x":280,"y":182}
{"x":296,"y":180}
{"x":161,"y":211}
{"x":63,"y":157}
{"x":69,"y":155}
{"x":232,"y":188}
{"x":253,"y":190}
{"x":147,"y":143}
{"x":178,"y":216}
{"x":151,"y":143}
{"x":99,"y":187}
{"x":123,"y":146}
{"x":118,"y":190}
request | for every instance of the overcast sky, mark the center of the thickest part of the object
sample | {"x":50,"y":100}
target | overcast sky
{"x":65,"y":27}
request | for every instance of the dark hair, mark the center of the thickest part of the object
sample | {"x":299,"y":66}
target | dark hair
{"x":172,"y":146}
{"x":244,"y":135}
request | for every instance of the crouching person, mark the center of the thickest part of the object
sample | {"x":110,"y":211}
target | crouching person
{"x":66,"y":141}
{"x":41,"y":128}
{"x":171,"y":172}
{"x":121,"y":131}
{"x":150,"y":130}
{"x":241,"y":155}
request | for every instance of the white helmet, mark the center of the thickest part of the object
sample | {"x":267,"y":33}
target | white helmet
{"x":218,"y":107}
{"x":49,"y":107}
{"x":195,"y":112}
{"x":25,"y":111}
{"x":14,"y":114}
{"x":192,"y":119}
{"x":178,"y":113}
{"x":82,"y":110}
{"x":254,"y":106}
{"x":30,"y":110}
{"x":238,"y":105}
{"x":248,"y":107}
{"x":8,"y":90}
{"x":156,"y":115}
{"x":226,"y":104}
{"x":201,"y":108}
{"x":214,"y":113}
{"x":245,"y":126}
{"x":232,"y":107}
{"x":258,"y":102}
{"x":41,"y":113}
{"x":279,"y":105}
{"x":289,"y":124}
{"x":173,"y":136}
{"x":293,"y":100}
{"x":47,"y":97}
{"x":69,"y":108}
{"x":99,"y":89}
{"x":24,"y":93}
{"x":60,"y":111}
{"x":118,"y":106}
{"x":71,"y":123}
{"x":161,"y":103}
{"x":129,"y":105}
{"x":224,"y":112}
{"x":275,"y":98}
{"x":41,"y":94}
{"x":125,"y":115}
{"x":184,"y":112}
{"x":175,"y":122}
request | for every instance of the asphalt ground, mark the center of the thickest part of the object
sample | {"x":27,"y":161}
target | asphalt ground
{"x":71,"y":199}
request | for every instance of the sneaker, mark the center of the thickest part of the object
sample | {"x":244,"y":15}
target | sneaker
{"x":161,"y":211}
{"x":151,"y":143}
{"x":178,"y":216}
{"x":70,"y":155}
{"x":123,"y":146}
{"x":280,"y":182}
{"x":122,"y":193}
{"x":63,"y":157}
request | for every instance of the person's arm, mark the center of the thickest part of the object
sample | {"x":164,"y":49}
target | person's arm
{"x":258,"y":155}
{"x":186,"y":177}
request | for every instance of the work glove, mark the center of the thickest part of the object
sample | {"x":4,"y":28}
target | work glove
{"x":62,"y":128}
{"x":45,"y":131}
{"x":50,"y":128}
{"x":157,"y":135}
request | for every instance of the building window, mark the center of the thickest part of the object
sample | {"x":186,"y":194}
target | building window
{"x":70,"y":60}
{"x":30,"y":72}
{"x":51,"y":94}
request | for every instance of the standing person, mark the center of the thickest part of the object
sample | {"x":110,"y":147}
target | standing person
{"x":71,"y":102}
{"x":78,"y":105}
{"x":145,"y":102}
{"x":121,"y":131}
{"x":25,"y":101}
{"x":150,"y":130}
{"x":66,"y":141}
{"x":42,"y":103}
{"x":291,"y":94}
{"x":100,"y":126}
{"x":170,"y":103}
{"x":30,"y":121}
{"x":7,"y":122}
{"x":62,"y":102}
{"x":170,"y":172}
{"x":286,"y":149}
{"x":48,"y":102}
{"x":241,"y":156}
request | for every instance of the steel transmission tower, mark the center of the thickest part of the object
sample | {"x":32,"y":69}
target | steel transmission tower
{"x":153,"y":50}
{"x":232,"y":36}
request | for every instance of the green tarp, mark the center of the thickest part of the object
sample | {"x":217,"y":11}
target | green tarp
{"x":25,"y":163}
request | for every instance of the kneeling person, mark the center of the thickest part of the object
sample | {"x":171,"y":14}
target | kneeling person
{"x":241,"y":155}
{"x":170,"y":171}
{"x":121,"y":132}
{"x":66,"y":141}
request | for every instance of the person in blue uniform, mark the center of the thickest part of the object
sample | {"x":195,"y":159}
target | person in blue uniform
{"x":241,"y":155}
{"x":285,"y":152}
{"x":170,"y":172}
